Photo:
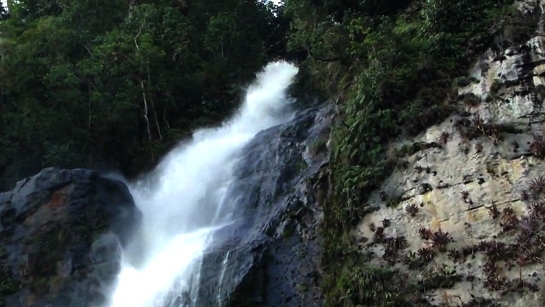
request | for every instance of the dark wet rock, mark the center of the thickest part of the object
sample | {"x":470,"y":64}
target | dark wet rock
{"x":270,"y":256}
{"x":61,"y":237}
{"x":423,"y":188}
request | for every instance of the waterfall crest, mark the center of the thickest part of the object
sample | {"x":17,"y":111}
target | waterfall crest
{"x":182,"y":201}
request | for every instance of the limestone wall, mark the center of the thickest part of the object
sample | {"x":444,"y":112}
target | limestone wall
{"x":483,"y":185}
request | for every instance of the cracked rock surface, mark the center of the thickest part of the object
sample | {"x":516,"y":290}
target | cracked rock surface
{"x":469,"y":184}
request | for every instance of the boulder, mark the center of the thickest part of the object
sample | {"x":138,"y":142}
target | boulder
{"x":61,"y":238}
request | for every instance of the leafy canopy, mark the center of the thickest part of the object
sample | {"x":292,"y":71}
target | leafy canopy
{"x":115,"y":83}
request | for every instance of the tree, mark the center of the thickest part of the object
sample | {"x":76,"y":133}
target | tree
{"x":116,"y":83}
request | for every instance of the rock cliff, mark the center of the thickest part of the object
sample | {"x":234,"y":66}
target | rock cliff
{"x":271,"y":256}
{"x":61,"y":236}
{"x":62,"y":231}
{"x":463,"y":216}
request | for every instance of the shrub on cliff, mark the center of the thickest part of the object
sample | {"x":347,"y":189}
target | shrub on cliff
{"x":392,"y":69}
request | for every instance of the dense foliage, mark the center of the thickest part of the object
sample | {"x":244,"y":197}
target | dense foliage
{"x":115,"y":83}
{"x":392,"y":66}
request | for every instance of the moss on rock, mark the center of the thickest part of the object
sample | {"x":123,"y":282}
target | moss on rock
{"x":400,"y":79}
{"x":59,"y":216}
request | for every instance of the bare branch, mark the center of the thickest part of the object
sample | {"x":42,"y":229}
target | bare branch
{"x":87,"y":48}
{"x":137,"y":35}
{"x":165,"y":116}
{"x":231,"y":39}
{"x":320,"y":58}
{"x":145,"y":108}
{"x":142,"y":86}
{"x":153,"y":106}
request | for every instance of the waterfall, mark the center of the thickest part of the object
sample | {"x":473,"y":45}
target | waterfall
{"x":182,"y":201}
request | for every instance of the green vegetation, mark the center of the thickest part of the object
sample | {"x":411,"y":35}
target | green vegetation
{"x":8,"y":284}
{"x":393,"y":67}
{"x":369,"y":286}
{"x":52,"y":247}
{"x":318,"y":146}
{"x":116,"y":83}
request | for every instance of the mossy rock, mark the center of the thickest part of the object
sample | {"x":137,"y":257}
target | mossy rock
{"x":59,"y":216}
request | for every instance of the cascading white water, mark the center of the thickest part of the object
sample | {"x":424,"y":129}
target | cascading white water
{"x":181,"y":201}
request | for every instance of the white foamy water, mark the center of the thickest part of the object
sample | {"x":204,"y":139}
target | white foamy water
{"x":181,"y":200}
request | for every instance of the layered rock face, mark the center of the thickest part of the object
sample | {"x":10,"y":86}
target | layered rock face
{"x":61,"y":237}
{"x":468,"y":210}
{"x":270,"y":255}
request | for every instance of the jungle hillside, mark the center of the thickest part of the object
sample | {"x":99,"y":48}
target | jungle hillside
{"x":115,"y":84}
